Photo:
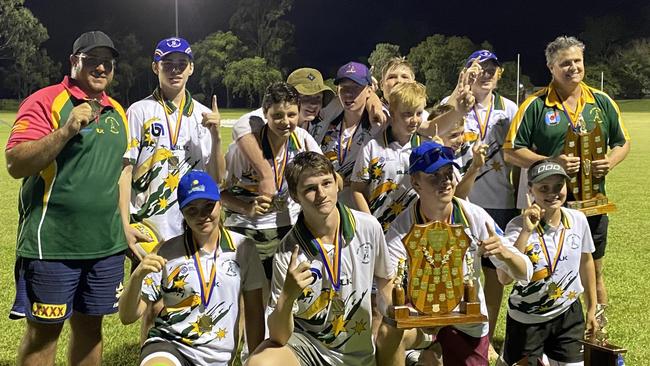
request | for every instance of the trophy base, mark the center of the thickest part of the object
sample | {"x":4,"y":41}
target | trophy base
{"x":406,"y":317}
{"x":595,"y":206}
{"x":598,"y":354}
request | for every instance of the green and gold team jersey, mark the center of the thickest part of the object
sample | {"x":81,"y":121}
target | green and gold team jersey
{"x":70,"y":209}
{"x":541,"y":123}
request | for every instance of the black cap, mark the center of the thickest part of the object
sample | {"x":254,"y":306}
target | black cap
{"x":94,"y":39}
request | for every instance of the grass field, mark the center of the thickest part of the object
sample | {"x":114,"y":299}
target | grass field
{"x":626,"y":260}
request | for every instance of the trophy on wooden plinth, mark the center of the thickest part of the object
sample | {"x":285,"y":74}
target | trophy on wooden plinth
{"x":438,"y":291}
{"x":599,"y":351}
{"x":588,"y":146}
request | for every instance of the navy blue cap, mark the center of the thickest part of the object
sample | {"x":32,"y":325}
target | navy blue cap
{"x":196,"y":185}
{"x":483,"y":55}
{"x":171,"y":45}
{"x":354,"y":71}
{"x":429,"y":157}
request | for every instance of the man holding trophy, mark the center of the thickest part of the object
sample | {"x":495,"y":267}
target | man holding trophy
{"x":574,"y":124}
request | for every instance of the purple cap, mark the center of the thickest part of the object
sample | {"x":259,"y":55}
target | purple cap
{"x":171,"y":45}
{"x":483,"y":55}
{"x":354,"y":71}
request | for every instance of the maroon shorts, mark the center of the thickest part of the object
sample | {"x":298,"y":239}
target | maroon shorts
{"x":459,"y":348}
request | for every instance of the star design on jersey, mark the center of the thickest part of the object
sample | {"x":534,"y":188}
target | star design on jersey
{"x":376,"y":172}
{"x":396,"y":208}
{"x":338,"y":325}
{"x":385,"y":225}
{"x":557,"y":293}
{"x":172,"y":181}
{"x":534,"y":258}
{"x":203,"y":324}
{"x":180,"y":283}
{"x":359,"y":327}
{"x":162,"y":202}
{"x":147,"y":139}
{"x":496,"y":166}
{"x":572,"y":295}
{"x":221,"y":333}
{"x":148,"y":281}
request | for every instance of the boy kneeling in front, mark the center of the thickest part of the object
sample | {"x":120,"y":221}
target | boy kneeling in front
{"x":320,"y":310}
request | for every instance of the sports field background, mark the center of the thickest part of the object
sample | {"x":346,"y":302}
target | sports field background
{"x":628,"y":254}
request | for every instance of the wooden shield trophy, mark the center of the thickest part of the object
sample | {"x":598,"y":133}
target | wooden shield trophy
{"x":438,"y":291}
{"x":588,"y":146}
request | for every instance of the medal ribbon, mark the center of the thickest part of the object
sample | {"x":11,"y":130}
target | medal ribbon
{"x":572,"y":121}
{"x":278,"y":168}
{"x":333,"y":269}
{"x":206,"y":287}
{"x":173,"y":138}
{"x":551,"y":265}
{"x":342,"y":153}
{"x":483,"y":125}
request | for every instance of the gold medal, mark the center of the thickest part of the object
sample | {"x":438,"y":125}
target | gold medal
{"x":337,"y":305}
{"x":174,"y":163}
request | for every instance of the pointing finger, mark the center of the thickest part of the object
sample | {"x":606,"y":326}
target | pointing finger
{"x":489,"y":228}
{"x":294,"y":257}
{"x":215,"y":107}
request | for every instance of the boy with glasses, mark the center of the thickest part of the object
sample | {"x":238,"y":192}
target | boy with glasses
{"x":171,"y":134}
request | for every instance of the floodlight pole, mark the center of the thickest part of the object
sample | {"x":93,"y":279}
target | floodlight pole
{"x":517,"y":79}
{"x":176,"y":15}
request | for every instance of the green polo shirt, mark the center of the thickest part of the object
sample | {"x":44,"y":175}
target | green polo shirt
{"x":541,"y":123}
{"x":70,"y":209}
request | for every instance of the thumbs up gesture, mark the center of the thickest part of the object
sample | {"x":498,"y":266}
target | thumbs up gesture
{"x":298,"y":277}
{"x":492,"y":246}
{"x":212,"y":120}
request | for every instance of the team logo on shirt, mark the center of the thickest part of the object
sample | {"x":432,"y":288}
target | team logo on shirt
{"x":552,"y":118}
{"x":364,"y":252}
{"x":157,"y":129}
{"x":574,"y":241}
{"x":232,"y":268}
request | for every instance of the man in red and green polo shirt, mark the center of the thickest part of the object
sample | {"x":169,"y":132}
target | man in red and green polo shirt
{"x":67,"y":145}
{"x":539,"y":129}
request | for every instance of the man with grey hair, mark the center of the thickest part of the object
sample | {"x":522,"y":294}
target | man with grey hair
{"x":540,"y":127}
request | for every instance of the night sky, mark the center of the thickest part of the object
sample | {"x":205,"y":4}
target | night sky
{"x":329,"y":33}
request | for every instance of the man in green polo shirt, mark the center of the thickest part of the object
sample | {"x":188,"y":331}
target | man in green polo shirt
{"x":540,"y":126}
{"x":67,"y":145}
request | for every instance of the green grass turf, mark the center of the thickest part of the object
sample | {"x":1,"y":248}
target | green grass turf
{"x":625,"y":262}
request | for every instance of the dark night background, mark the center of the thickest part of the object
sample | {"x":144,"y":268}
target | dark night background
{"x":330,"y":33}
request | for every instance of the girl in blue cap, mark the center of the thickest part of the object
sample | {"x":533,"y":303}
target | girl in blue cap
{"x":199,"y":277}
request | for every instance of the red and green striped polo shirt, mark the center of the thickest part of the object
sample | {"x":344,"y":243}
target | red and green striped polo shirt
{"x":70,"y":209}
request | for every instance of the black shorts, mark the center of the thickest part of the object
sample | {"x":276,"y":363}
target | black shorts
{"x":598,"y":226}
{"x":163,"y":347}
{"x":558,"y":338}
{"x":502,"y":217}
